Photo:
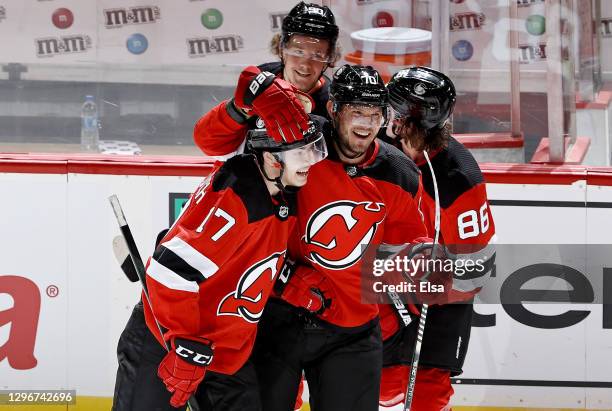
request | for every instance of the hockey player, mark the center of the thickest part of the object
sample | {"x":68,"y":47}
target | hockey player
{"x":209,"y":279}
{"x":365,"y":195}
{"x":423,"y":100}
{"x":306,"y":48}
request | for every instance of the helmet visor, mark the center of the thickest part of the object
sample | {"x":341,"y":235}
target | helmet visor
{"x":306,"y":155}
{"x":310,"y":48}
{"x":366,"y":115}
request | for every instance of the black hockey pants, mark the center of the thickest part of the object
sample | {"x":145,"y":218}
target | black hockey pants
{"x":138,"y":388}
{"x":342,"y":369}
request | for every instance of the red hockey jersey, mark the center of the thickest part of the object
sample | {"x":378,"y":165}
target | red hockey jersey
{"x":345,"y":208}
{"x":466,"y":223}
{"x":212,"y":273}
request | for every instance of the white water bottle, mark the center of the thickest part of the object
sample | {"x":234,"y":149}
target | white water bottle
{"x":89,"y":125}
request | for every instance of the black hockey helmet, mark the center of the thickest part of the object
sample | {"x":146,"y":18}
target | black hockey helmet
{"x":311,"y":20}
{"x":355,"y":84}
{"x":424,"y":95}
{"x":309,"y":150}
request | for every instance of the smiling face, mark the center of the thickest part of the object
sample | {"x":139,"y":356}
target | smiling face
{"x":296,"y":173}
{"x":357,"y":126}
{"x":297,"y":162}
{"x":293,"y":165}
{"x":305,"y":58}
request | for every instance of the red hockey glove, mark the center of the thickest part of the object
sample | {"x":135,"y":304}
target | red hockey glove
{"x":311,"y":299}
{"x":183,"y":368}
{"x":396,"y":314}
{"x":301,"y":287}
{"x":431,"y":273}
{"x":275,"y":101}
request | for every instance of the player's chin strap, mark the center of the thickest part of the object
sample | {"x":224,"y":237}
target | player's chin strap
{"x":423,"y":318}
{"x":277,"y":181}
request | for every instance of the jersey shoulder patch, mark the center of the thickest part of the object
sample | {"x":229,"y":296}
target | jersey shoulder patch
{"x":393,"y":166}
{"x":456,"y":172}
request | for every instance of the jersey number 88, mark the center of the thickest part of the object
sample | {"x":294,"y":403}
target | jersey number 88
{"x":472,"y":223}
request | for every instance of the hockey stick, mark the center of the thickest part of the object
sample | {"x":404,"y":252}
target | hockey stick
{"x":122,"y":254}
{"x":138,"y":266}
{"x":416,"y":354}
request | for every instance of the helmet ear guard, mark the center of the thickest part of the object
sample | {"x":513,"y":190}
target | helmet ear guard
{"x":279,"y":160}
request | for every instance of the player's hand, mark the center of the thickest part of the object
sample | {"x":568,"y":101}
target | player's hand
{"x":311,"y":299}
{"x":183,"y":368}
{"x":275,"y":101}
{"x":303,"y":287}
{"x":432,"y":274}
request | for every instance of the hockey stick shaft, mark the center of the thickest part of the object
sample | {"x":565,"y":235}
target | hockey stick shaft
{"x":415,"y":358}
{"x":140,"y":270}
{"x":416,"y":354}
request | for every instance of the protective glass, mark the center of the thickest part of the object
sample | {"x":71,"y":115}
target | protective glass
{"x":308,"y":48}
{"x":306,"y":155}
{"x":364,"y":115}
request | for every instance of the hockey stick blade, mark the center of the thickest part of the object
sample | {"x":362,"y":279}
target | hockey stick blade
{"x":129,"y":240}
{"x":122,"y":254}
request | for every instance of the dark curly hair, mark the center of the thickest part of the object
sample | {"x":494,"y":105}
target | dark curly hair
{"x":421,"y":139}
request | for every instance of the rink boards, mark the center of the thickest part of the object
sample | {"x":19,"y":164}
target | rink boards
{"x":64,"y":301}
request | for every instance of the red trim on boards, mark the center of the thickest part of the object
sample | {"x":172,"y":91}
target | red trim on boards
{"x":497,"y":173}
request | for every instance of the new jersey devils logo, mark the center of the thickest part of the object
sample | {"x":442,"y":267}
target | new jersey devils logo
{"x":249,"y":298}
{"x":338,"y":233}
